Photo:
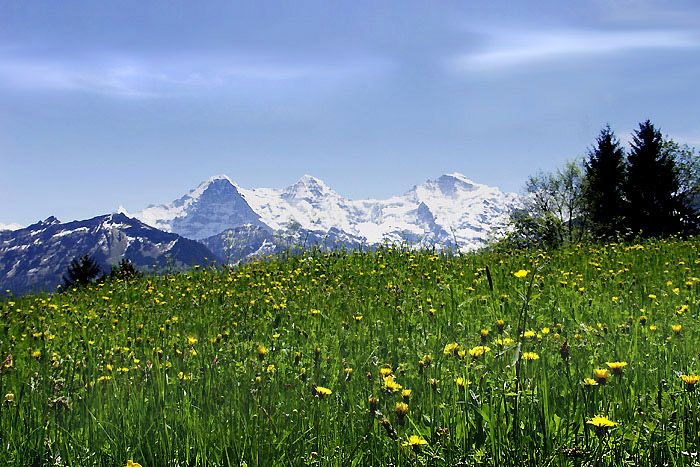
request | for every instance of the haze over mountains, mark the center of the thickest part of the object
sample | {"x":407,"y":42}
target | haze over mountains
{"x":224,"y":222}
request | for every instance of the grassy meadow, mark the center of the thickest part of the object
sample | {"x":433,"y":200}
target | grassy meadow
{"x":584,"y":355}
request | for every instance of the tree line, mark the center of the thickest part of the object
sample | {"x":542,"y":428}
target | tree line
{"x":651,"y":189}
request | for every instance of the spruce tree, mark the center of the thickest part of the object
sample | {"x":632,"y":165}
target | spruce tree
{"x":604,"y":180}
{"x":81,"y":271}
{"x":652,"y":185}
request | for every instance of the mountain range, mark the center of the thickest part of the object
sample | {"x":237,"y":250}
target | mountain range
{"x":222,"y":221}
{"x":450,"y":211}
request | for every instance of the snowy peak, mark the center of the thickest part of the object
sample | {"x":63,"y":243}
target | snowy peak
{"x":450,"y":210}
{"x":214,"y":206}
{"x":308,"y":188}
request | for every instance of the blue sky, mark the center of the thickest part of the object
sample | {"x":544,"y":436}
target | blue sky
{"x":130,"y":103}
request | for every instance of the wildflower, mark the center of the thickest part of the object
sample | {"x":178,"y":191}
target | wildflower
{"x":643,"y":320}
{"x":348,"y":374}
{"x":529,"y":334}
{"x":388,"y":428}
{"x":131,"y":463}
{"x":484,"y":335}
{"x":322,"y":392}
{"x":385,"y":371}
{"x":270,"y":369}
{"x":391,"y":385}
{"x":690,"y":381}
{"x":414,"y":442}
{"x":357,"y":317}
{"x":601,"y":375}
{"x":521,"y":273}
{"x":461,"y":383}
{"x":545,"y":331}
{"x":450,"y":349}
{"x":262,"y":351}
{"x":36,"y":354}
{"x":676,"y":328}
{"x":652,"y":296}
{"x":601,"y":423}
{"x":401,"y":411}
{"x":616,"y":367}
{"x":499,"y":325}
{"x":503,"y":341}
{"x":373,"y":402}
{"x":9,"y":398}
{"x":590,"y":382}
{"x":191,"y":341}
{"x":530,"y":356}
{"x":478,"y":351}
{"x":652,"y":327}
{"x":406,"y":394}
{"x":433,"y":383}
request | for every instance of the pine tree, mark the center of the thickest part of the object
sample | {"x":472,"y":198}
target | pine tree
{"x":81,"y":271}
{"x":652,"y":185}
{"x":604,"y":180}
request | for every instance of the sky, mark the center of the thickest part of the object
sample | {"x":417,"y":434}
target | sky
{"x":134,"y":103}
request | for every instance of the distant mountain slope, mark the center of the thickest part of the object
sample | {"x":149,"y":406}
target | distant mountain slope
{"x":240,"y":243}
{"x":444,"y":212}
{"x":36,"y":257}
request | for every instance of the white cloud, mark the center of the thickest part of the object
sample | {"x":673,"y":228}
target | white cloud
{"x":138,"y":77}
{"x":507,"y":49}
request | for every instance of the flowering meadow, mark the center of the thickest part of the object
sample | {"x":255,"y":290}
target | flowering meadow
{"x":585,"y":355}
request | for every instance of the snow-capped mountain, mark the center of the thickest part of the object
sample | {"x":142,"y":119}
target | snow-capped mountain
{"x":214,"y":206}
{"x":11,"y":226}
{"x":37,"y":256}
{"x":444,"y":212}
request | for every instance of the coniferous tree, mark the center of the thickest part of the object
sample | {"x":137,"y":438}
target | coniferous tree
{"x":652,"y":185}
{"x":81,"y":271}
{"x":604,"y":181}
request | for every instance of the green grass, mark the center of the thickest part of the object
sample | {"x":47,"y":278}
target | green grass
{"x":170,"y":371}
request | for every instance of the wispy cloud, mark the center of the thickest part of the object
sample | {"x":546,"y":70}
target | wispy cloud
{"x":147,"y":78}
{"x":505,"y":50}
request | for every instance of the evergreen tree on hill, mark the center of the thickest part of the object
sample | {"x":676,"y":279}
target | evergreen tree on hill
{"x":604,"y":180}
{"x":653,"y":207}
{"x":81,"y":271}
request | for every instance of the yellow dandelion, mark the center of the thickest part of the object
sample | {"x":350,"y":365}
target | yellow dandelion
{"x":504,"y":341}
{"x":406,"y":394}
{"x":414,"y":441}
{"x":590,"y":382}
{"x":384,"y":372}
{"x":601,"y":422}
{"x":262,"y":351}
{"x":690,"y":381}
{"x":529,"y":334}
{"x":270,"y":369}
{"x":131,"y":463}
{"x":36,"y":354}
{"x":322,"y":392}
{"x":401,"y":411}
{"x":9,"y":398}
{"x":478,"y":351}
{"x":616,"y":367}
{"x":521,"y":273}
{"x":450,"y":349}
{"x":676,"y":328}
{"x":390,"y":384}
{"x":601,"y":375}
{"x":530,"y":356}
{"x":191,"y":341}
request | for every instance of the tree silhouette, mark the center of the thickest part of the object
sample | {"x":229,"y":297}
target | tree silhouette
{"x":653,"y":207}
{"x":604,"y":181}
{"x":81,"y":271}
